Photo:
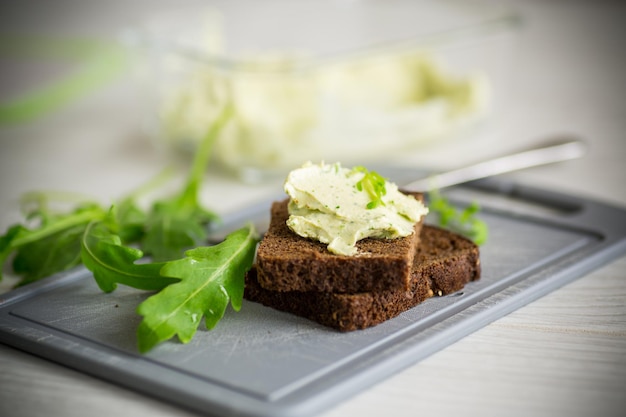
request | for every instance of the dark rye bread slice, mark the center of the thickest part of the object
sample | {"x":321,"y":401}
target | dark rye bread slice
{"x":288,"y":262}
{"x":444,"y":263}
{"x":448,"y":259}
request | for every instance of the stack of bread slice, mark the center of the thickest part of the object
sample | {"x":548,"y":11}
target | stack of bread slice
{"x":387,"y":277}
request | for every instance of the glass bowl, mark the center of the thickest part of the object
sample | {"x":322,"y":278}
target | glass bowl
{"x":325,"y":80}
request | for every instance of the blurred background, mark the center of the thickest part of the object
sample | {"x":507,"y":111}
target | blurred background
{"x":355,"y":81}
{"x":428,"y":84}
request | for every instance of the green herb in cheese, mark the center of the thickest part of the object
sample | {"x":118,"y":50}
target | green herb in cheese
{"x":340,"y":206}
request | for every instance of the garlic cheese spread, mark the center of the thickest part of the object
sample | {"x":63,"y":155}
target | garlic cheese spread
{"x":330,"y":203}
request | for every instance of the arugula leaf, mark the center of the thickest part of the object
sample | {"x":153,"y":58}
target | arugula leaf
{"x":210,"y":278}
{"x":180,"y":223}
{"x":52,"y":246}
{"x":52,"y":223}
{"x":374,"y":184}
{"x":112,"y":263}
{"x":464,"y":222}
{"x":6,"y":243}
{"x":171,"y":229}
{"x":130,"y":221}
{"x":47,"y":256}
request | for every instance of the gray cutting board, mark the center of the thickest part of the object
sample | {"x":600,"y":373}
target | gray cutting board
{"x":261,"y":362}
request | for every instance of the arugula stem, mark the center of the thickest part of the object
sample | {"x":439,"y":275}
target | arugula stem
{"x":64,"y":223}
{"x":203,"y":152}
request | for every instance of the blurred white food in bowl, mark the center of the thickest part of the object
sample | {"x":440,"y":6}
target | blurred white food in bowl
{"x":382,"y":87}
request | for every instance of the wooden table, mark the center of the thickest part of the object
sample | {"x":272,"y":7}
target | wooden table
{"x":563,"y":355}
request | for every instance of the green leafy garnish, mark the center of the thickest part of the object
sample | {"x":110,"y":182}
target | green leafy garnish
{"x":464,"y":222}
{"x":141,"y":249}
{"x":6,"y":243}
{"x":210,"y":277}
{"x":374,"y":184}
{"x":180,"y":222}
{"x":59,"y":251}
{"x":112,"y":263}
{"x":52,"y":244}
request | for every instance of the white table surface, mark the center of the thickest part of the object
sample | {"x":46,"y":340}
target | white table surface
{"x":562,"y":355}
